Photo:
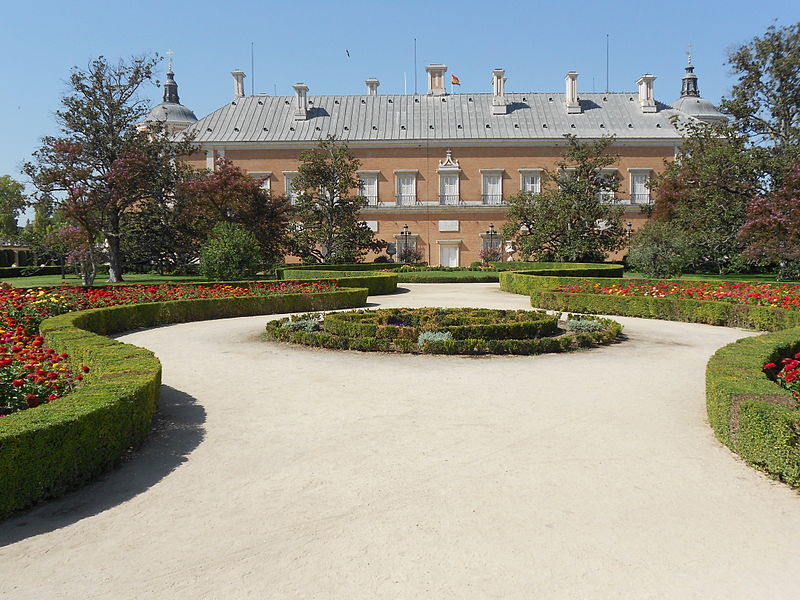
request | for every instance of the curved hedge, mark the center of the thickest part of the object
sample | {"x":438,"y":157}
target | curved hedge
{"x":370,"y":337}
{"x":749,"y":413}
{"x":58,"y":446}
{"x":523,"y":282}
{"x":376,"y":283}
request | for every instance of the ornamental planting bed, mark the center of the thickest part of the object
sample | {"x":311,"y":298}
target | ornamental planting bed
{"x":444,"y":331}
{"x":747,"y":407}
{"x":62,"y":444}
{"x":32,"y":374}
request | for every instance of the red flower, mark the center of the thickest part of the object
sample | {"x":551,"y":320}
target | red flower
{"x":18,"y":383}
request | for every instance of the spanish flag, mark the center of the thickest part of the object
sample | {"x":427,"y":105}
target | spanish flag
{"x":454,"y":80}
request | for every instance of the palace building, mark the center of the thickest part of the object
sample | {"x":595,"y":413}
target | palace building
{"x":437,"y":168}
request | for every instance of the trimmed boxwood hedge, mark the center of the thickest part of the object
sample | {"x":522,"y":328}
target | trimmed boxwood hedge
{"x":376,"y":283}
{"x":56,"y":447}
{"x":469,"y":346}
{"x":477,"y":325}
{"x":748,"y":413}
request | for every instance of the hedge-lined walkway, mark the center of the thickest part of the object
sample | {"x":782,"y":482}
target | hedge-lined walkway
{"x":288,"y":472}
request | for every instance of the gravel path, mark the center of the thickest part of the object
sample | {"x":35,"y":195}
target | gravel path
{"x":285,"y":472}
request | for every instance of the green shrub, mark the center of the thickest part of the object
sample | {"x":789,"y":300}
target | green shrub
{"x":58,"y":446}
{"x":583,"y":325}
{"x":230,"y":253}
{"x":433,"y":336}
{"x":376,"y":283}
{"x":661,"y":249}
{"x":302,"y":325}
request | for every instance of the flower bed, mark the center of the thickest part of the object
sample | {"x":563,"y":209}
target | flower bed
{"x":746,"y":409}
{"x":785,"y":296}
{"x":440,"y":331}
{"x":59,"y":446}
{"x":32,"y":374}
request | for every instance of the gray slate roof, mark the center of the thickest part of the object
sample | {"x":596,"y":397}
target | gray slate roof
{"x":533,"y":116}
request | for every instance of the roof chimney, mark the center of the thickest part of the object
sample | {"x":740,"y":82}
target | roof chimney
{"x":436,"y":79}
{"x":238,"y":84}
{"x":573,"y":106}
{"x":300,"y":101}
{"x":372,"y":86}
{"x":499,"y":105}
{"x":645,"y":83}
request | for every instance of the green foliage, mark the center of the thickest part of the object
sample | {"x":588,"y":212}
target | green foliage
{"x":550,"y":275}
{"x":328,"y":228}
{"x":302,"y":325}
{"x":425,"y":337}
{"x":764,"y":103}
{"x":153,"y":241}
{"x":705,"y":191}
{"x":583,"y":325}
{"x":103,"y":164}
{"x":377,"y":283}
{"x":12,"y":203}
{"x":660,"y":249}
{"x":228,"y":194}
{"x":369,"y":337}
{"x":572,"y":219}
{"x":59,"y":446}
{"x":231,"y":253}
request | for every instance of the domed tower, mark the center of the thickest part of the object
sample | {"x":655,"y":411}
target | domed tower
{"x":690,"y":101}
{"x":171,"y":112}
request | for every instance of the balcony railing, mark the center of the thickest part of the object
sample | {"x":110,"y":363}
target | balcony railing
{"x":449,"y":199}
{"x":605,"y":196}
{"x":492,"y":199}
{"x":641,"y":199}
{"x":371,"y":200}
{"x":406,"y":199}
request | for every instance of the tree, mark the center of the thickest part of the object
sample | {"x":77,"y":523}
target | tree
{"x":660,"y":249}
{"x":231,"y":253}
{"x":574,"y":218}
{"x":12,"y":203}
{"x":764,"y":104}
{"x":772,"y":230}
{"x":705,"y":191}
{"x":102,"y":164}
{"x":227,"y":194}
{"x":327,"y":223}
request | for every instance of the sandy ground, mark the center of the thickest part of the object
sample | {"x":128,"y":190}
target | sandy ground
{"x":283,"y":472}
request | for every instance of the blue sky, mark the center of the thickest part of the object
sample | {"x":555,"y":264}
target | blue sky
{"x":537,"y":42}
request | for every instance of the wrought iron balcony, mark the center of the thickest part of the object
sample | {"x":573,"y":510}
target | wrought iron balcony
{"x":406,"y":199}
{"x":493,"y":199}
{"x":449,"y":199}
{"x":641,"y":198}
{"x":371,"y":200}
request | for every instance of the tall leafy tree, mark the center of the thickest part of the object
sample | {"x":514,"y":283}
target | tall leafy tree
{"x":764,"y":103}
{"x":12,"y":203}
{"x":705,"y":192}
{"x":574,"y":218}
{"x":102,"y":164}
{"x":327,"y":225}
{"x":772,"y":230}
{"x":230,"y":195}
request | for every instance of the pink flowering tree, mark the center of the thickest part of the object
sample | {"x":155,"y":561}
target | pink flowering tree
{"x":772,"y":229}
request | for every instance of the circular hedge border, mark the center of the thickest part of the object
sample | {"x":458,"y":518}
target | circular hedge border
{"x":398,"y":330}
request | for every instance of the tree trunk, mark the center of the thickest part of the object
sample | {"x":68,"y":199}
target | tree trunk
{"x":114,"y":250}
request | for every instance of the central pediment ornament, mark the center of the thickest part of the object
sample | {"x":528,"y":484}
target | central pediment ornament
{"x":448,"y":162}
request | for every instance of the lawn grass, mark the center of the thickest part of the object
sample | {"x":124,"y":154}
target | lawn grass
{"x":71,"y":279}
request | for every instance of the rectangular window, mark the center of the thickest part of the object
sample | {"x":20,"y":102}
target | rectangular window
{"x":608,"y":195}
{"x":264,"y":176}
{"x":369,"y":187}
{"x":530,"y":181}
{"x":448,"y":189}
{"x":406,"y":188}
{"x":640,"y":193}
{"x":492,"y":187}
{"x":289,"y":190}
